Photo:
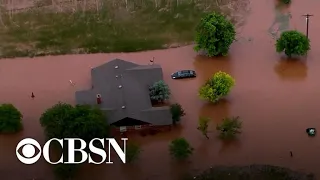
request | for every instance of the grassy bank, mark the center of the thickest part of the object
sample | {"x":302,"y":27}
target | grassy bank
{"x":108,"y":26}
{"x":253,"y":172}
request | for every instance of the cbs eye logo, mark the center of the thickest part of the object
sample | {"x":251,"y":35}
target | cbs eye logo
{"x":28,"y":151}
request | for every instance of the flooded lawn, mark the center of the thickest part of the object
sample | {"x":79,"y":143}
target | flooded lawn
{"x":276,"y":99}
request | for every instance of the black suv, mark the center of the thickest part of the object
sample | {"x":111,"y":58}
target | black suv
{"x":183,"y":74}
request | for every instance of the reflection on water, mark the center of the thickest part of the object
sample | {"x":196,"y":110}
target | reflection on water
{"x":216,"y":112}
{"x":230,"y":146}
{"x":293,"y":70}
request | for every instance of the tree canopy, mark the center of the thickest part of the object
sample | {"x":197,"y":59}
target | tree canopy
{"x":10,"y":119}
{"x":217,"y":87}
{"x":177,"y":112}
{"x":229,"y":127}
{"x":214,"y":34}
{"x":180,"y":149}
{"x":159,"y":91}
{"x":293,"y":43}
{"x":81,"y":121}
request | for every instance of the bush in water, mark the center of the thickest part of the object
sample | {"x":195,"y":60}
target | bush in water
{"x":180,"y":149}
{"x":229,"y":127}
{"x":132,"y":152}
{"x":293,"y":43}
{"x":203,"y":125}
{"x":218,"y":86}
{"x":177,"y":112}
{"x":81,"y":121}
{"x":10,"y":119}
{"x":286,"y":1}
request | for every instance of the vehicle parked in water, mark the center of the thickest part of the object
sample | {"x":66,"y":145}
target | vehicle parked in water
{"x":183,"y":74}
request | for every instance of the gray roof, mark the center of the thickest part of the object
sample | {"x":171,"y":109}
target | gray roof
{"x":133,"y":94}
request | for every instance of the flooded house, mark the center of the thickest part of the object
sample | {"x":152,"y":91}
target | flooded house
{"x":121,"y":89}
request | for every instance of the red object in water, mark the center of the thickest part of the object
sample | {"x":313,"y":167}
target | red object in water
{"x":98,"y":99}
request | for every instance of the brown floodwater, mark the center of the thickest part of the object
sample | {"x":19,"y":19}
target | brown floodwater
{"x":276,"y":99}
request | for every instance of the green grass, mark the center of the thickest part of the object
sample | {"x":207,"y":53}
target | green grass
{"x":110,"y":29}
{"x":253,"y":172}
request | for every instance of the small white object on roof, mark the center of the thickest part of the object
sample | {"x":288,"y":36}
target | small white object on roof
{"x":116,"y":67}
{"x":120,"y":86}
{"x":123,"y":107}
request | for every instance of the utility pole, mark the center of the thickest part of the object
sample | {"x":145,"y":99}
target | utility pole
{"x":307,"y":21}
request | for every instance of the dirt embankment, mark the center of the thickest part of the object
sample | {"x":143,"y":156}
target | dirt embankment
{"x":52,"y":27}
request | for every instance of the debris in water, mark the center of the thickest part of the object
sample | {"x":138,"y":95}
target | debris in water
{"x":311,"y":131}
{"x":71,"y":83}
{"x":151,"y":61}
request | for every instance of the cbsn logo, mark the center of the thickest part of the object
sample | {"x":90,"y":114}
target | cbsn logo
{"x":29,"y":144}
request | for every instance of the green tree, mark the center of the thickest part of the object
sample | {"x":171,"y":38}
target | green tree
{"x":203,"y":126}
{"x":180,"y":149}
{"x":66,"y":121}
{"x":159,"y":91}
{"x":214,"y":34}
{"x":217,"y":87}
{"x":293,"y":43}
{"x":10,"y":119}
{"x":132,"y":152}
{"x":177,"y":112}
{"x":81,"y":121}
{"x":229,"y":127}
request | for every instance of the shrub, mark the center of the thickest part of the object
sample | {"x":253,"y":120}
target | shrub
{"x":229,"y":127}
{"x":177,"y":112}
{"x":293,"y":43}
{"x":82,"y":121}
{"x":214,"y":34}
{"x":10,"y":119}
{"x":66,"y":121}
{"x":217,"y":87}
{"x":132,"y":152}
{"x":285,"y":1}
{"x":180,"y":149}
{"x":203,"y":126}
{"x":159,"y":91}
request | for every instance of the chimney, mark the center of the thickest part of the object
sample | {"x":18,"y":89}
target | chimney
{"x":99,"y":99}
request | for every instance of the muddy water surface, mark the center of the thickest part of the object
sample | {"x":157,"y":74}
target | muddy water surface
{"x":276,"y":99}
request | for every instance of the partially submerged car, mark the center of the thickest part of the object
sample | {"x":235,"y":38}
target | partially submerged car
{"x":183,"y":74}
